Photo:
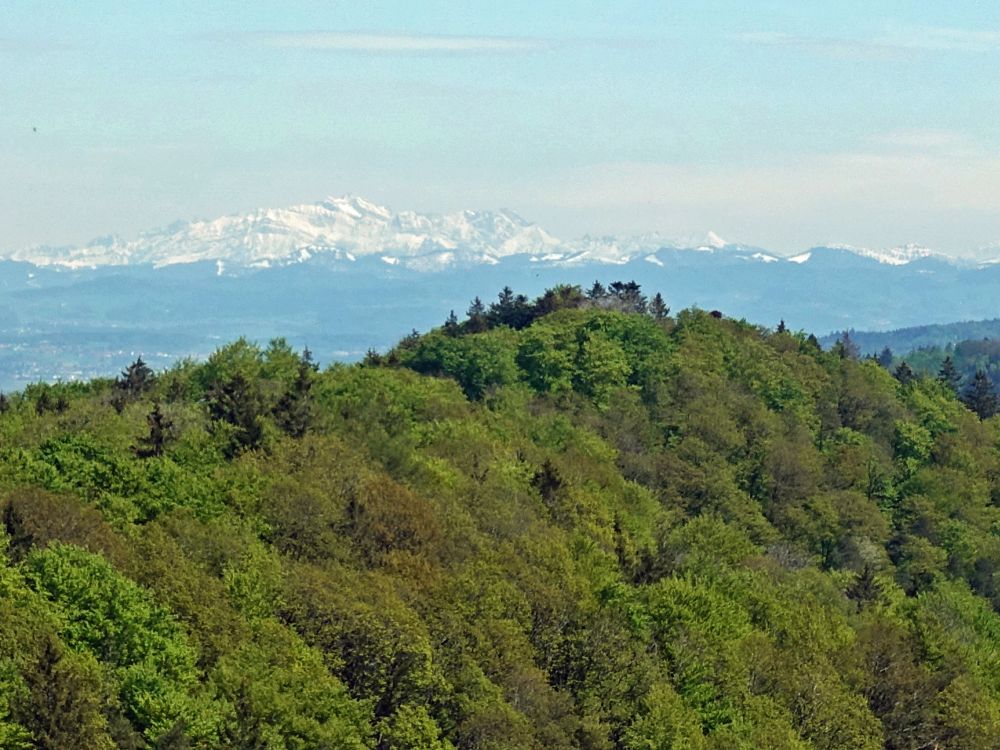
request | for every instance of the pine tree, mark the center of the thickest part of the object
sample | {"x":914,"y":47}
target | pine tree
{"x":979,"y":396}
{"x":885,"y":358}
{"x":949,"y":375}
{"x":510,"y":310}
{"x":134,"y":381}
{"x":4,"y":403}
{"x":629,"y":295}
{"x":451,"y":324}
{"x":658,"y":308}
{"x":161,"y":431}
{"x":293,"y":412}
{"x":781,"y":326}
{"x":476,"y":313}
{"x":44,"y":402}
{"x":597,"y":292}
{"x":845,"y":348}
{"x":904,"y":374}
{"x":307,"y":358}
{"x":137,"y":378}
{"x":236,"y":402}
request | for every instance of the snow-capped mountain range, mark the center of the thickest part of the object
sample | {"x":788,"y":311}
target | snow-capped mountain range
{"x":347,"y":228}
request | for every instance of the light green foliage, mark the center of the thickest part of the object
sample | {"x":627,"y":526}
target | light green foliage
{"x":282,"y":697}
{"x":115,"y":620}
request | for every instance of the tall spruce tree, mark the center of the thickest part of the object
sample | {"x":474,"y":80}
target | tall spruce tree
{"x":979,"y":396}
{"x":133,"y":382}
{"x":885,"y":358}
{"x":293,"y":412}
{"x":949,"y":375}
{"x":597,"y":292}
{"x":658,"y":307}
{"x":161,"y":431}
{"x":237,"y":403}
{"x":476,"y":314}
{"x":904,"y":374}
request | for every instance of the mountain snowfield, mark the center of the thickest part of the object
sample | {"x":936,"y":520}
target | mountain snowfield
{"x":347,"y":228}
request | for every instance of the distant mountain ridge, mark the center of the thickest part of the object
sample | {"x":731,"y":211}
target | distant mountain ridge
{"x":347,"y":228}
{"x":902,"y":341}
{"x":345,"y":275}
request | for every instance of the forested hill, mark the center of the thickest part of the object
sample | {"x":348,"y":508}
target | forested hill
{"x":904,"y":340}
{"x":573,"y":522}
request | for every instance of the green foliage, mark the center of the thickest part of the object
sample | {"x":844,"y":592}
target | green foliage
{"x":573,"y":522}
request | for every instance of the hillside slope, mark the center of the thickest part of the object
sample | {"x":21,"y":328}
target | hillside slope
{"x":559,"y":523}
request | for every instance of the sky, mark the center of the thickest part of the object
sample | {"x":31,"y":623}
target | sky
{"x":779,"y":124}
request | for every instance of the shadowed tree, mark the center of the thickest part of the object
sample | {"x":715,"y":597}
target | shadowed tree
{"x":293,"y":412}
{"x":597,"y":291}
{"x":904,"y":374}
{"x":885,"y":358}
{"x":949,"y":375}
{"x":476,"y":313}
{"x":134,"y":381}
{"x":979,"y":396}
{"x":845,"y":348}
{"x":237,"y":403}
{"x":659,"y":310}
{"x":161,"y":431}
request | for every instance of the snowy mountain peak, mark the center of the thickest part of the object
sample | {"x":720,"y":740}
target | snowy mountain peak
{"x":896,"y":256}
{"x":346,"y":228}
{"x":337,"y":228}
{"x":714,"y":241}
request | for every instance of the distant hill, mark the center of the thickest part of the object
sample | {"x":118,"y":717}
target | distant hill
{"x":904,"y":340}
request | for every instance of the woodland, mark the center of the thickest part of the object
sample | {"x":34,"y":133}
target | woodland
{"x":579,"y":521}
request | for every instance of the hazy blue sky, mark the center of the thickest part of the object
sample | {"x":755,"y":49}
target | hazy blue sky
{"x":784,"y":124}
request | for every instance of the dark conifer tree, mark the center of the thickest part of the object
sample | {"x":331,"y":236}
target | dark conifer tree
{"x":44,"y":402}
{"x":293,"y":412}
{"x":237,"y":403}
{"x":885,"y":358}
{"x":134,"y":381}
{"x":781,"y":326}
{"x":949,"y":375}
{"x":307,"y":358}
{"x":629,"y":295}
{"x":4,"y":403}
{"x":161,"y":431}
{"x":658,"y":307}
{"x":510,"y":310}
{"x":904,"y":374}
{"x":597,"y":292}
{"x":451,"y":325}
{"x":979,"y":396}
{"x":476,"y":313}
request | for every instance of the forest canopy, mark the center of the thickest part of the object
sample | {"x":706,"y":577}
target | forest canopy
{"x":570,"y":522}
